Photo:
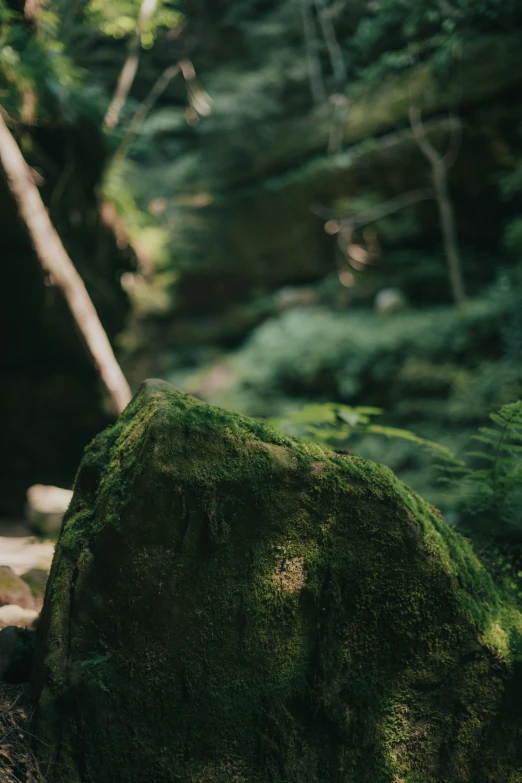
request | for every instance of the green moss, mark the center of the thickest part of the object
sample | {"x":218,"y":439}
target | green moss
{"x":227,"y":604}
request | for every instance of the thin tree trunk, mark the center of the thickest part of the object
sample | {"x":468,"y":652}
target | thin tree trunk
{"x":54,"y":259}
{"x":439,"y":174}
{"x":130,"y":66}
{"x":449,"y":232}
{"x":312,"y":56}
{"x":334,"y":50}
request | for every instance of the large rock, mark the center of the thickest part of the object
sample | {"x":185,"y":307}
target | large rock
{"x":226,"y":604}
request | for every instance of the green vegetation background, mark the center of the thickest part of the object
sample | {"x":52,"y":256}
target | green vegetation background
{"x":210,"y":231}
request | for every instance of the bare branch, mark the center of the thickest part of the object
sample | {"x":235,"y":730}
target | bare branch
{"x":421,"y":138}
{"x":130,"y":66}
{"x":312,"y":58}
{"x":55,"y":261}
{"x":197,"y":97}
{"x":439,"y":175}
{"x":334,"y":50}
{"x":452,"y":153}
{"x":389,"y":207}
{"x":143,"y":110}
{"x":340,"y":105}
{"x":375,"y":213}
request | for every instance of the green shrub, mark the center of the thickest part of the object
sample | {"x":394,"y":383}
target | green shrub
{"x":435,"y":372}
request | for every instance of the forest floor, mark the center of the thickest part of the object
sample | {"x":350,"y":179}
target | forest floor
{"x":22,"y":551}
{"x":17,"y":761}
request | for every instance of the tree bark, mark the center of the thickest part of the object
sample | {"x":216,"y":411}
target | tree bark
{"x":56,"y":262}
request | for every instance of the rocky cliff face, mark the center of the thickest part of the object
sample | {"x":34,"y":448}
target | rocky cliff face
{"x":228,"y":604}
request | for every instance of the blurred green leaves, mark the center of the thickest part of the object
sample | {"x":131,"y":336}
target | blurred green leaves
{"x":38,"y":80}
{"x":118,"y":18}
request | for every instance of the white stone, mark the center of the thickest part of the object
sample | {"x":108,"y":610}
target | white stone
{"x":11,"y":614}
{"x":46,"y":506}
{"x":389,"y":300}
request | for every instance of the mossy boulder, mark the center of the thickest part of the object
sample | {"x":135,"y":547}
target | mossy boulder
{"x":227,"y":604}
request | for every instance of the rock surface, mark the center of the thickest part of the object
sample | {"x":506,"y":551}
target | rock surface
{"x":226,"y":604}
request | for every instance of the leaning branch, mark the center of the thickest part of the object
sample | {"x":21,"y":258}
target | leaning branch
{"x":55,"y":261}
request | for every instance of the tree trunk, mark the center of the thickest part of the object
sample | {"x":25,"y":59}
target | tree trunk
{"x":56,"y":262}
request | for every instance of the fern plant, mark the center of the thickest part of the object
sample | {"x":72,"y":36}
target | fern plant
{"x":489,"y":496}
{"x":333,"y":424}
{"x":493,"y":491}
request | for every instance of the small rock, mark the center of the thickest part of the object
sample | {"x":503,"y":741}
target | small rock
{"x":390,"y":300}
{"x":46,"y":506}
{"x":16,"y":654}
{"x":14,"y":590}
{"x":16,"y":615}
{"x":36,"y":578}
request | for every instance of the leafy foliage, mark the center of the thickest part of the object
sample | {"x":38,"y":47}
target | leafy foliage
{"x":335,"y":424}
{"x":435,"y":372}
{"x":118,"y":19}
{"x":39,"y":79}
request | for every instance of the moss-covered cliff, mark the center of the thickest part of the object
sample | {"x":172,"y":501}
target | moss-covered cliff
{"x":227,"y":604}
